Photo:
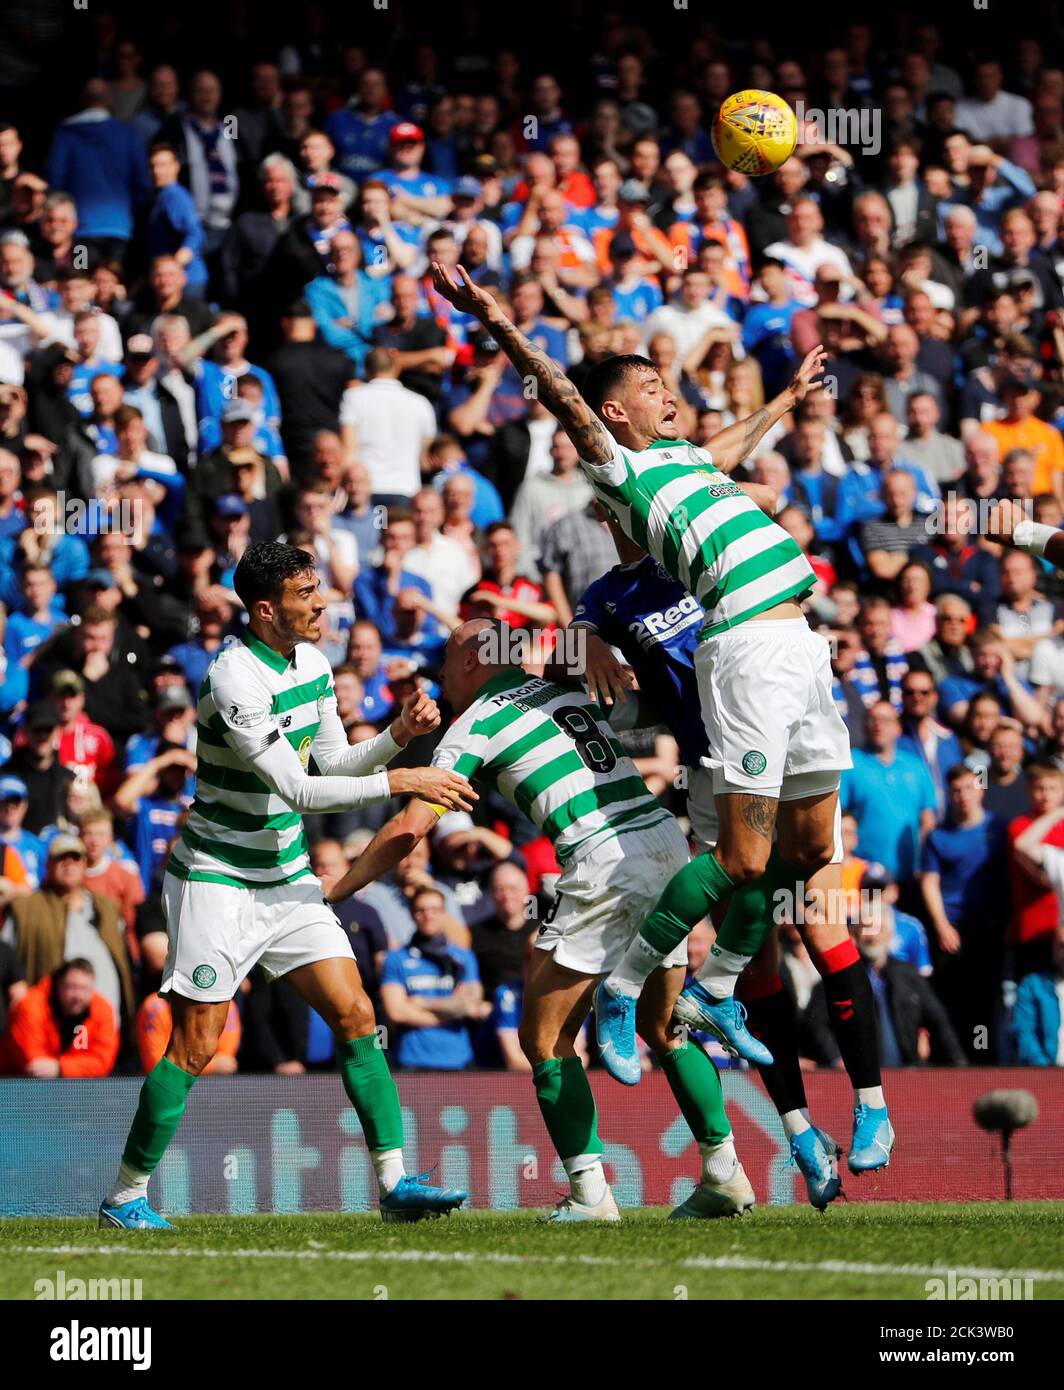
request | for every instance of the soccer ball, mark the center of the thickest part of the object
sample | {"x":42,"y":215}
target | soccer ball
{"x":755,"y":132}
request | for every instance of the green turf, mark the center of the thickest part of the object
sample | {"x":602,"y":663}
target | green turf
{"x":498,"y":1255}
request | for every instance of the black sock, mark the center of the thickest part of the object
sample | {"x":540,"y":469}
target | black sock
{"x":852,"y":1012}
{"x":770,"y":1017}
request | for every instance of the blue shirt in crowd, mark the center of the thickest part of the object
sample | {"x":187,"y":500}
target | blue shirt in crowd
{"x":887,"y":800}
{"x":446,"y":1047}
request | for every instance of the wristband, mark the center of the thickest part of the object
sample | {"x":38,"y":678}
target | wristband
{"x":1032,"y":536}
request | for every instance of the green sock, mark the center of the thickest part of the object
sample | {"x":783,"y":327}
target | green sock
{"x":696,"y":1086}
{"x":687,"y":898}
{"x":159,"y":1111}
{"x":753,"y":907}
{"x":567,"y":1106}
{"x":371,"y":1090}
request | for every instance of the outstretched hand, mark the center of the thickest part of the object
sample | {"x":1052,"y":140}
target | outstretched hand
{"x":813,"y":365}
{"x":463,"y":294}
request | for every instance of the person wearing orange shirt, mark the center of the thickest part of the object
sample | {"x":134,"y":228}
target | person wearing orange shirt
{"x":155,"y":1023}
{"x":712,"y":223}
{"x":852,"y":868}
{"x":1021,"y":429}
{"x":107,"y":872}
{"x":61,"y":1027}
{"x":573,"y":183}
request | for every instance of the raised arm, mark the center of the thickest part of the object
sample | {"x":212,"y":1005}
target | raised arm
{"x":738,"y":441}
{"x":392,"y":842}
{"x":589,"y":436}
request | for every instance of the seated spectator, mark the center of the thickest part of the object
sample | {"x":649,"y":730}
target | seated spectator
{"x":442,"y":562}
{"x":84,"y":746}
{"x":64,"y":920}
{"x":890,"y":793}
{"x":965,"y":897}
{"x":544,"y":497}
{"x":1038,"y":1018}
{"x":362,"y":923}
{"x":416,"y":339}
{"x":365,"y":655}
{"x":61,"y":1027}
{"x":994,"y":673}
{"x":1020,"y":428}
{"x":214,"y":616}
{"x":431,"y":990}
{"x":155,"y":1024}
{"x":923,"y":735}
{"x":1006,"y":793}
{"x":946,"y":654}
{"x":502,"y":591}
{"x":913,"y":616}
{"x":381,"y":591}
{"x":904,"y":378}
{"x":939,"y":455}
{"x":880,"y":665}
{"x":36,"y":764}
{"x":814,"y":485}
{"x":446,"y":461}
{"x":1035,"y":906}
{"x":879,"y":916}
{"x":575,"y":551}
{"x":501,"y":941}
{"x":111,"y":871}
{"x":152,"y":799}
{"x":23,"y":853}
{"x":1022,"y":616}
{"x":914,"y":1028}
{"x":888,"y":541}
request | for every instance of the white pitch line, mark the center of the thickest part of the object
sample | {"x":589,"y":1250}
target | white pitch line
{"x":469,"y":1257}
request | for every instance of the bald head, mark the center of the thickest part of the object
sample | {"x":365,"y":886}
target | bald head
{"x":476,"y":652}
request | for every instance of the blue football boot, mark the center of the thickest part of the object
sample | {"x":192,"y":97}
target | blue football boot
{"x":816,"y":1156}
{"x":725,"y":1019}
{"x":411,"y":1199}
{"x":615,"y":1034}
{"x":137,"y":1215}
{"x":873,"y":1139}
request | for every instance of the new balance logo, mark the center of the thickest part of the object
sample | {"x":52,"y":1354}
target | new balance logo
{"x":844,"y":1009}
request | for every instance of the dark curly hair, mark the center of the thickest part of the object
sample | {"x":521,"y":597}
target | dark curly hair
{"x":264,"y":568}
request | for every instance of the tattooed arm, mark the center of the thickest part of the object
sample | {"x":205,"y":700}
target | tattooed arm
{"x":589,"y":436}
{"x":738,"y":441}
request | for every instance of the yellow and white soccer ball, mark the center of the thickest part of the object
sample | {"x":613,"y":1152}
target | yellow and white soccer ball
{"x":755,"y":132}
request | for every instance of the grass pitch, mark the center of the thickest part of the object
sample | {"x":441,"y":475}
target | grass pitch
{"x":859,"y":1252}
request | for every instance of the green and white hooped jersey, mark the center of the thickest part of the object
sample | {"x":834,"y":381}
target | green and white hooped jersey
{"x":550,"y":753}
{"x":238,"y":831}
{"x":673,"y":501}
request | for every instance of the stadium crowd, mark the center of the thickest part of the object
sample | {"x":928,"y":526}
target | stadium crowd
{"x":217,"y":327}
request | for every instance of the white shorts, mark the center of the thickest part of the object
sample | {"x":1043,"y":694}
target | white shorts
{"x":604,"y":898}
{"x":765,"y":690}
{"x":219,"y":932}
